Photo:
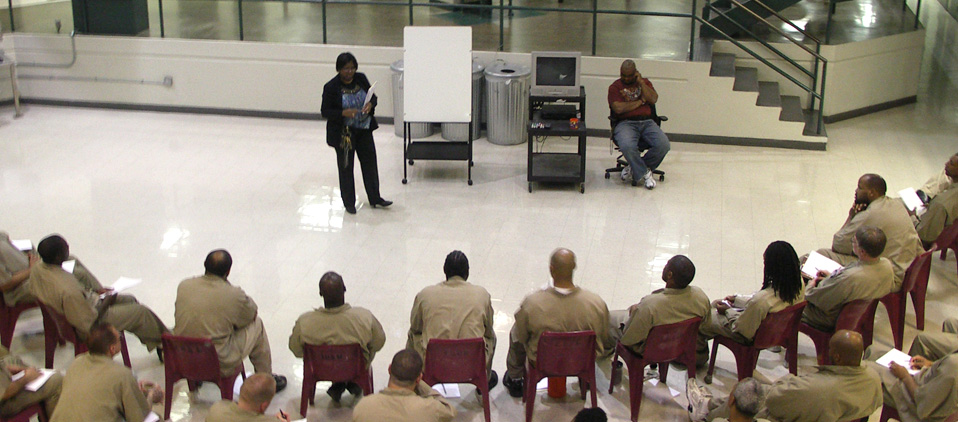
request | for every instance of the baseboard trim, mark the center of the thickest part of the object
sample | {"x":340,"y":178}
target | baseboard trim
{"x":870,"y":109}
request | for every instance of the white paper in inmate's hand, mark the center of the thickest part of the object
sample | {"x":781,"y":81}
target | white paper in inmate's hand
{"x":816,"y":262}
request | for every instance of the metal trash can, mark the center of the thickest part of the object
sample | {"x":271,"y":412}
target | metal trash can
{"x":460,"y":131}
{"x":507,"y":98}
{"x":417,"y":130}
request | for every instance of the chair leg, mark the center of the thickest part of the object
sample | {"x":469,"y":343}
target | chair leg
{"x":483,"y":388}
{"x":168,"y":397}
{"x":306,"y":398}
{"x":711,"y":370}
{"x":636,"y":382}
{"x":791,"y":356}
{"x":124,"y":351}
{"x":226,"y":388}
{"x":664,"y":371}
{"x":529,"y":396}
{"x":918,"y":300}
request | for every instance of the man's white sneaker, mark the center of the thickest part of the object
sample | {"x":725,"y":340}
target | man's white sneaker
{"x":648,"y":180}
{"x":626,"y":173}
{"x":698,"y":400}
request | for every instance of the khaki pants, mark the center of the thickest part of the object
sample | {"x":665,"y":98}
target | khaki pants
{"x":248,"y":341}
{"x":935,"y":346}
{"x":49,"y":394}
{"x":129,"y":315}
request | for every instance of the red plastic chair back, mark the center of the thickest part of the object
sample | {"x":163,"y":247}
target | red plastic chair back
{"x":859,"y":316}
{"x":916,"y":278}
{"x":196,"y":360}
{"x":192,"y":358}
{"x":458,"y":361}
{"x":667,"y":343}
{"x":56,"y":329}
{"x":947,"y":239}
{"x":344,"y":363}
{"x":564,"y":354}
{"x":455,"y":361}
{"x":8,"y":320}
{"x":777,"y":327}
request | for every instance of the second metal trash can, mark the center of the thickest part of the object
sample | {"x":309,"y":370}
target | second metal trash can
{"x":460,"y":131}
{"x":507,"y":99}
{"x":417,"y":130}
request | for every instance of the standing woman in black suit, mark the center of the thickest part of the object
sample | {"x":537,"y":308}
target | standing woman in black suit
{"x":349,"y":129}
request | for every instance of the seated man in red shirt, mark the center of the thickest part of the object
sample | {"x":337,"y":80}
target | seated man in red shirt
{"x":630,"y":98}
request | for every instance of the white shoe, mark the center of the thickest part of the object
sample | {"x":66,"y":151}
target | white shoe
{"x":626,"y":173}
{"x":698,"y":400}
{"x":648,"y":180}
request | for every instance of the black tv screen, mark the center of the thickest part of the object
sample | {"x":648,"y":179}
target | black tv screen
{"x":555,"y":71}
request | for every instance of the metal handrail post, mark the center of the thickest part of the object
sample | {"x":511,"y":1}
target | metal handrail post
{"x":324,"y":22}
{"x":692,"y":33}
{"x":162,"y":24}
{"x":502,"y":24}
{"x":13,"y":25}
{"x":595,"y":23}
{"x":239,"y":4}
{"x":821,"y":100}
{"x":410,"y":12}
{"x":917,"y":13}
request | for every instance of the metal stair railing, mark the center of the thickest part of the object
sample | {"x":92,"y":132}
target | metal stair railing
{"x":815,"y":90}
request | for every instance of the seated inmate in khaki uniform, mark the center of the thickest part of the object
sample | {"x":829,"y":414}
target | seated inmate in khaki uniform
{"x":65,"y":293}
{"x":407,"y":398}
{"x":338,"y":324}
{"x":873,"y":208}
{"x":98,"y":389}
{"x":453,"y":309}
{"x":210,"y":307}
{"x":870,"y":278}
{"x":563,"y":307}
{"x":942,"y":207}
{"x":935,"y":346}
{"x":931,"y":395}
{"x":14,"y":397}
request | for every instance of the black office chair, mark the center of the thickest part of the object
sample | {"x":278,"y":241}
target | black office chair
{"x":620,"y":162}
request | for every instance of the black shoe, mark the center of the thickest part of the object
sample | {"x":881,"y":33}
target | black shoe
{"x":514,"y":386}
{"x":381,"y":203}
{"x":354,"y":389}
{"x":350,"y":209}
{"x":280,"y":382}
{"x":493,"y":380}
{"x":336,"y":391}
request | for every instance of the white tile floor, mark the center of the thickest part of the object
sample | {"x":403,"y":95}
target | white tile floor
{"x":147,"y":195}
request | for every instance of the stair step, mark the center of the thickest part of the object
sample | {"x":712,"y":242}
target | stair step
{"x":703,"y":50}
{"x":768,"y":95}
{"x":746,"y":79}
{"x":791,"y":109}
{"x":723,"y":64}
{"x":811,"y":124}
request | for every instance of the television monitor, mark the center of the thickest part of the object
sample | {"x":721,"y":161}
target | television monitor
{"x":556,"y":73}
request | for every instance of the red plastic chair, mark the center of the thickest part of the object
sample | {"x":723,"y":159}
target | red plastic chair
{"x":196,"y":360}
{"x":56,"y":329}
{"x":857,"y":315}
{"x":916,"y":274}
{"x":562,"y":355}
{"x":665,"y":344}
{"x":26,"y":414}
{"x":948,"y":239}
{"x":8,"y":320}
{"x":458,"y":361}
{"x":889,"y":412}
{"x":344,"y":363}
{"x":777,"y":329}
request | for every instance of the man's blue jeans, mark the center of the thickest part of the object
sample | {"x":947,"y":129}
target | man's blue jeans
{"x":633,"y":136}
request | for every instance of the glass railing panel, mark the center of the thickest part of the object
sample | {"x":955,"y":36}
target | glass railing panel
{"x":196,"y":19}
{"x":38,"y":16}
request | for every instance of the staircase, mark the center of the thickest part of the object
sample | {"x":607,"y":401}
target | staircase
{"x":746,"y":79}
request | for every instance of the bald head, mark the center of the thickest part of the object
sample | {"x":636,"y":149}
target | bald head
{"x":845,"y":348}
{"x":332,"y":289}
{"x":561,"y":266}
{"x":874,"y":182}
{"x":627,"y":65}
{"x":218,"y":263}
{"x":257,"y":392}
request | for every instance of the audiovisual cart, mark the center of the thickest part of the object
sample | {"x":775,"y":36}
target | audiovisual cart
{"x":557,"y":167}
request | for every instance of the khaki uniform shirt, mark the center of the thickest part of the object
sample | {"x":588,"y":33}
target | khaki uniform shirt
{"x":423,"y":405}
{"x":834,"y":394}
{"x":942,"y":211}
{"x":761,"y":303}
{"x":936,"y":398}
{"x":60,"y":290}
{"x":890,"y":215}
{"x":210,"y":307}
{"x":856,"y":281}
{"x":13,"y":261}
{"x":97,"y":389}
{"x":662,"y":307}
{"x":937,"y":184}
{"x":227,"y":411}
{"x":453,"y":309}
{"x":338,"y":326}
{"x":550,"y":310}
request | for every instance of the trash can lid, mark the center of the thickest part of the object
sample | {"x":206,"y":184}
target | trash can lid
{"x":507,"y":71}
{"x":397,"y":66}
{"x":477,"y":67}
